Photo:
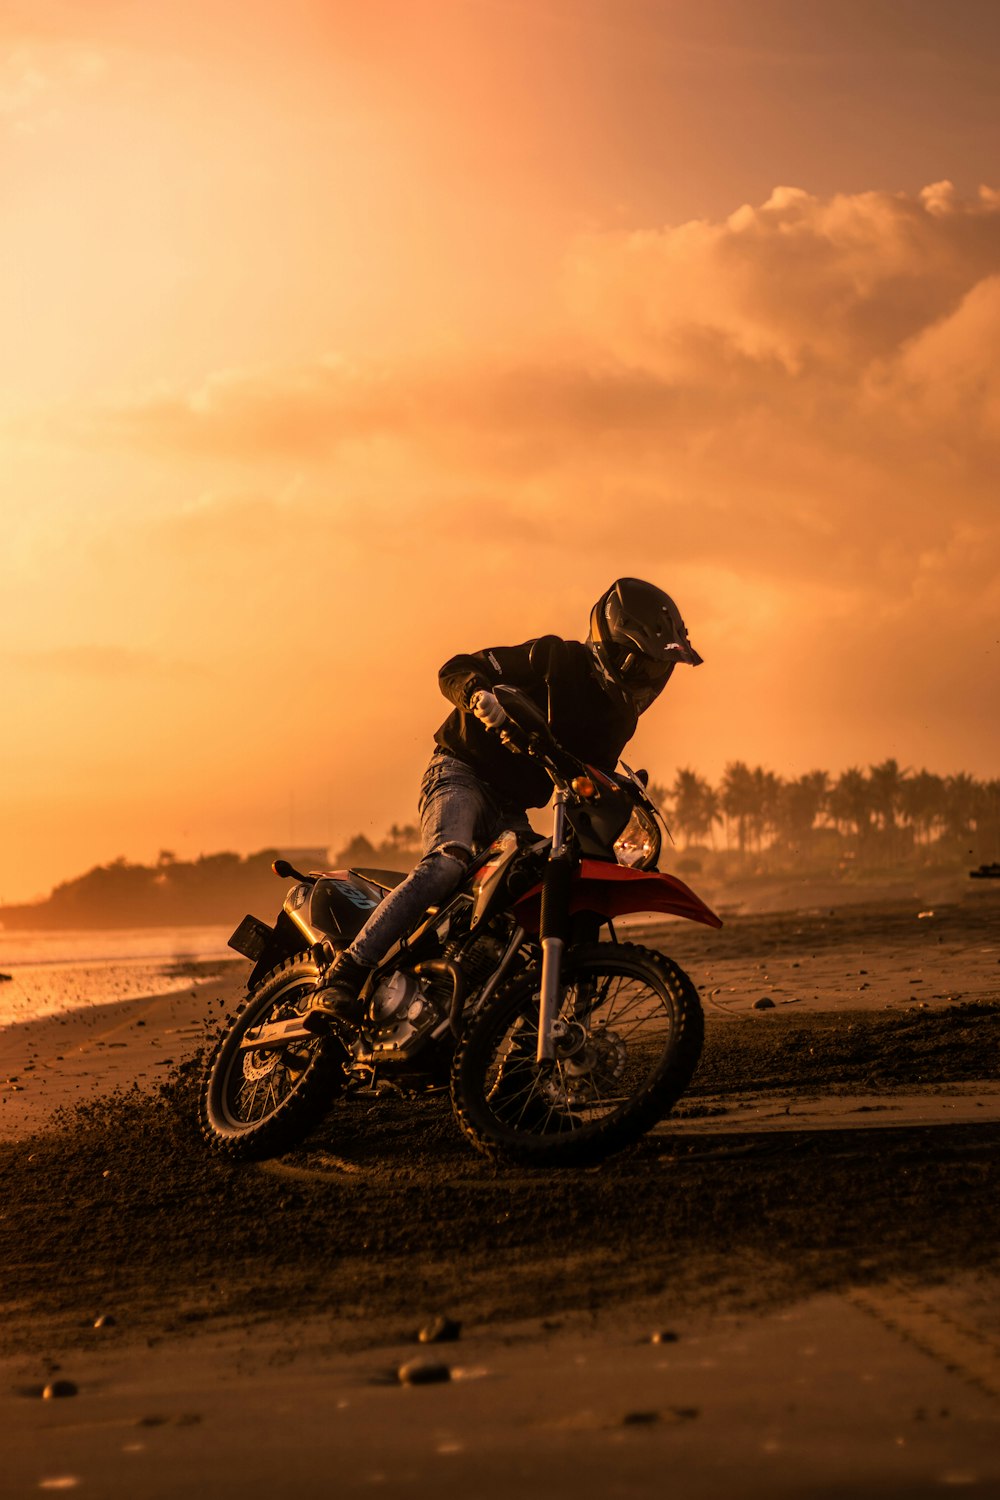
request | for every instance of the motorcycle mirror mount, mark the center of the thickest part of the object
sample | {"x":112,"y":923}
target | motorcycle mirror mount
{"x":524,"y":714}
{"x":285,"y":870}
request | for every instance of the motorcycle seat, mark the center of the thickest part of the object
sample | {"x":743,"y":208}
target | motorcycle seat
{"x":387,"y":879}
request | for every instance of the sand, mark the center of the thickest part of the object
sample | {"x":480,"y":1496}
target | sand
{"x":817,"y":1225}
{"x":61,"y":1060}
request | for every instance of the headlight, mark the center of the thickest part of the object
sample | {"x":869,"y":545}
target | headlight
{"x":639,"y":844}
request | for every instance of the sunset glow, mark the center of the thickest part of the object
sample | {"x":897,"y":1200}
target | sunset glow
{"x":339,"y":338}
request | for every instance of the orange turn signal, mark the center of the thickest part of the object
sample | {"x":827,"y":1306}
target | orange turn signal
{"x":584,"y":788}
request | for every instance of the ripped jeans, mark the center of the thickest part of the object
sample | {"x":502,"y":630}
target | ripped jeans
{"x":460,"y":814}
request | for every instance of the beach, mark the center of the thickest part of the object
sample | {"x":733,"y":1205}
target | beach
{"x":812,"y":1233}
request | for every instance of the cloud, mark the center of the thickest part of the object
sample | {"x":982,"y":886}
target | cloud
{"x":949,"y":372}
{"x":802,"y":283}
{"x":803,"y":393}
{"x":798,"y":304}
{"x":321,"y":408}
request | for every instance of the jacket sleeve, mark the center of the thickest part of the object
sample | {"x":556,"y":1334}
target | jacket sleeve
{"x":519,"y":666}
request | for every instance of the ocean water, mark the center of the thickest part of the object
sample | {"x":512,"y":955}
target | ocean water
{"x":54,"y":972}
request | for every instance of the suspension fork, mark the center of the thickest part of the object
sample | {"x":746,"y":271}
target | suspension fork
{"x":556,"y":883}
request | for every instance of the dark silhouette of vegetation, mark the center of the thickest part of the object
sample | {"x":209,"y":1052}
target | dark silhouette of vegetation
{"x":399,"y":850}
{"x":885,"y":817}
{"x":213,"y":889}
{"x":172,"y":893}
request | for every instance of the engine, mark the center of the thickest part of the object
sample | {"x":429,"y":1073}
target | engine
{"x":402,"y":1009}
{"x":477,"y":959}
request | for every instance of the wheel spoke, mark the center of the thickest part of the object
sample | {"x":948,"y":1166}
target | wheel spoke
{"x":273,"y":1076}
{"x":617,"y":1025}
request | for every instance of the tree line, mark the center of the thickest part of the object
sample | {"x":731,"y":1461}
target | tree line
{"x":171,"y":892}
{"x":883,"y":812}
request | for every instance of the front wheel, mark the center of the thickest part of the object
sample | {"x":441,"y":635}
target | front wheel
{"x":627,"y":1041}
{"x":259,"y":1102}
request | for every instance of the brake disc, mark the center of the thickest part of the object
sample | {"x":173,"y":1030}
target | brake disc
{"x":257,"y":1065}
{"x":601,"y":1053}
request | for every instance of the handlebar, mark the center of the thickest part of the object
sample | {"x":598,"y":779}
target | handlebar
{"x":535,"y":736}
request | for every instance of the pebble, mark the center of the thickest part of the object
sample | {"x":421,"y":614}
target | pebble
{"x":764,"y":1003}
{"x":57,"y":1388}
{"x":440,"y":1331}
{"x":663,"y":1336}
{"x":106,"y":1320}
{"x":423,"y":1372}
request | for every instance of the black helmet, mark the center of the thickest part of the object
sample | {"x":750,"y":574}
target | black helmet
{"x":638,"y":636}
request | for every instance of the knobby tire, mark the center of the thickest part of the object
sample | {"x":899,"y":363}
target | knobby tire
{"x":318,"y":1080}
{"x":548,"y":1136}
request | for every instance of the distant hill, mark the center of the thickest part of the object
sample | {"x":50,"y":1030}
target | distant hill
{"x":215,"y":888}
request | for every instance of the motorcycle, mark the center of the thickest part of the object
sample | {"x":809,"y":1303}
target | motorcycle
{"x":560,"y":1043}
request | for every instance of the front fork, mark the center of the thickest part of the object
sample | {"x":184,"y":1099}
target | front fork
{"x":556,"y":884}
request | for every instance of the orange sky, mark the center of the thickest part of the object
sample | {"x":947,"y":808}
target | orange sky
{"x":340,"y":337}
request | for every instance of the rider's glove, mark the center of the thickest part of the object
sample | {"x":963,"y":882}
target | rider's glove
{"x":487,"y":710}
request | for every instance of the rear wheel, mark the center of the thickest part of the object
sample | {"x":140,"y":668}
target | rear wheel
{"x":259,"y":1102}
{"x":628,"y":1038}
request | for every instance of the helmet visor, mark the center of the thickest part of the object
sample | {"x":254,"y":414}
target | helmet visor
{"x":637,"y":670}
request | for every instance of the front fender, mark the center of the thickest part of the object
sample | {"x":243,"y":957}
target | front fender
{"x":616,"y":891}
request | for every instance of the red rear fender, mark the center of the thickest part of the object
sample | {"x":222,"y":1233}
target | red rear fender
{"x":615,"y":891}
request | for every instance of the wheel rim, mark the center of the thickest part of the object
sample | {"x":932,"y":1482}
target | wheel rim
{"x":614,"y":1027}
{"x":252,"y":1086}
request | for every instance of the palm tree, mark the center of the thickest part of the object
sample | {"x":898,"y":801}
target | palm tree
{"x":922,"y":803}
{"x":767,"y":796}
{"x":886,"y":782}
{"x":800,"y":803}
{"x":695,"y":805}
{"x":961,"y":799}
{"x":850,"y":801}
{"x":739,"y":798}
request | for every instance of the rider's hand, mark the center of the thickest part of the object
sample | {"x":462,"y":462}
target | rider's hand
{"x":487,"y":710}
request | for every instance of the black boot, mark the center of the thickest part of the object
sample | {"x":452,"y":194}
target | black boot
{"x":338,"y":991}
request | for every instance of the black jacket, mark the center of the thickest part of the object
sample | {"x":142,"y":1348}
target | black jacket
{"x":589,"y":718}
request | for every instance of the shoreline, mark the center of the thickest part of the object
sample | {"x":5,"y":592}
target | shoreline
{"x":815,"y":1231}
{"x":882,"y":957}
{"x":53,"y":1062}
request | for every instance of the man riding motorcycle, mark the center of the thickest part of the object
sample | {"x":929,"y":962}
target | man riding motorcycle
{"x":592,"y":695}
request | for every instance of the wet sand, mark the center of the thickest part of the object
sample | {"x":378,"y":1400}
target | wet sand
{"x":817,"y":1224}
{"x":59,"y":1061}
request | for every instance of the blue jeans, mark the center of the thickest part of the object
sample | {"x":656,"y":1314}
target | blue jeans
{"x":460,"y":814}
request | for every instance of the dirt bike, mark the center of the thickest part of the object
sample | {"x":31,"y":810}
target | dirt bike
{"x":561,"y":1043}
